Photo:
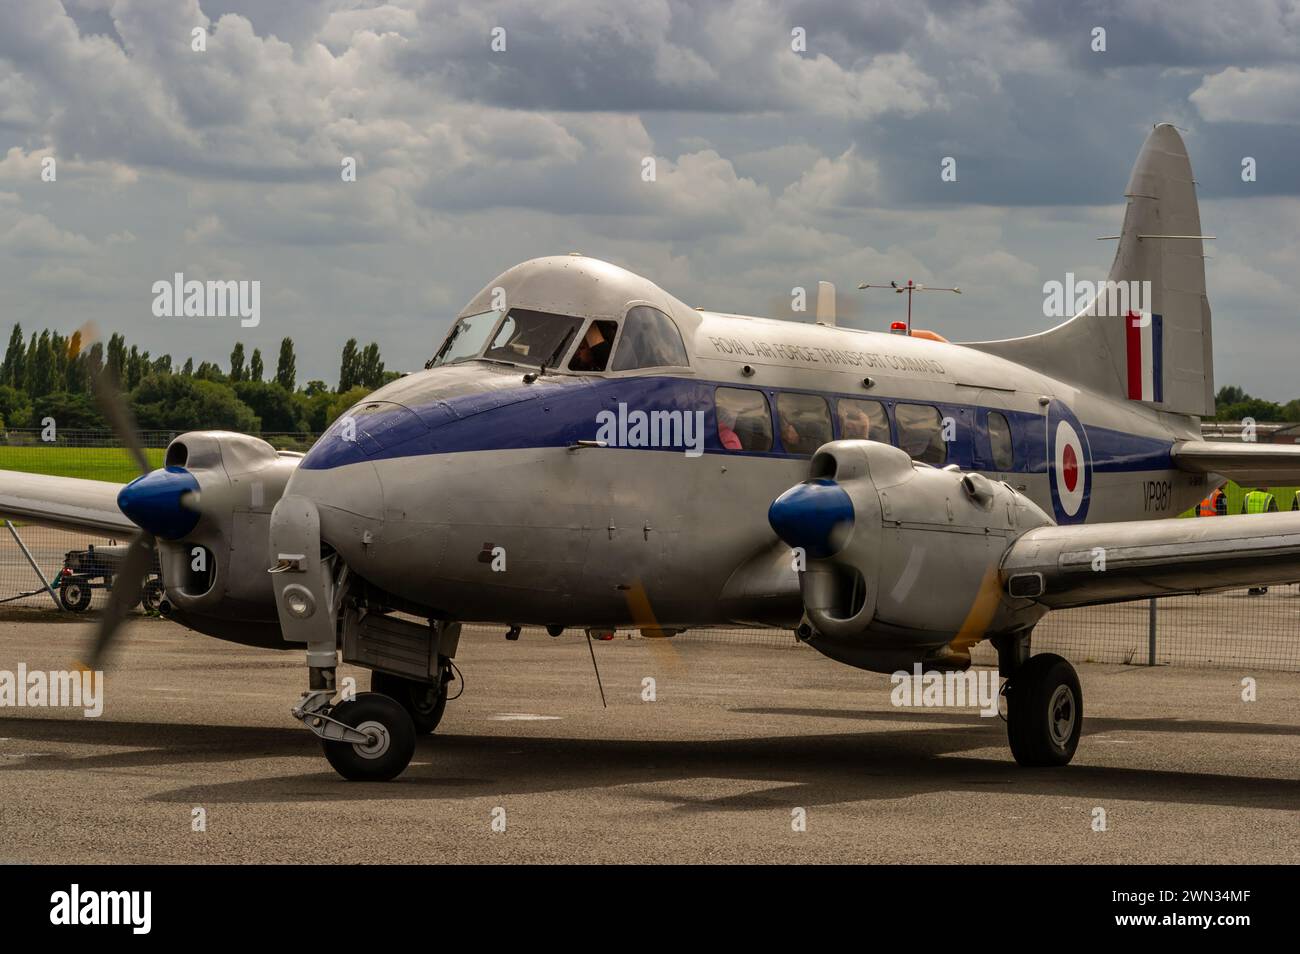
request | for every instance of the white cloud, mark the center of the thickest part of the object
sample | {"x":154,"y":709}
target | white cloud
{"x":1256,"y":95}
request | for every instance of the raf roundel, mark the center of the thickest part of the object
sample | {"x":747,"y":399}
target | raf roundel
{"x":1070,"y":464}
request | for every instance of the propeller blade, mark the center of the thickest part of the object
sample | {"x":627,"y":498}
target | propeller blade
{"x":125,"y":594}
{"x":119,"y":417}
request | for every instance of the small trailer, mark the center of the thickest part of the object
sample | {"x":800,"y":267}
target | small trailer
{"x":94,"y":568}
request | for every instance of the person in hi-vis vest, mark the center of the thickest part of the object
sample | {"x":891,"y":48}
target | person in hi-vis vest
{"x":1259,"y":501}
{"x":1216,"y":505}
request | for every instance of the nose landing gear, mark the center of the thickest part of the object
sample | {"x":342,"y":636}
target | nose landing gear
{"x":389,"y":734}
{"x":367,"y":739}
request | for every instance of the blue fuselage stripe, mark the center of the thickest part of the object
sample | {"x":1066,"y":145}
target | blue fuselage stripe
{"x":565,"y":410}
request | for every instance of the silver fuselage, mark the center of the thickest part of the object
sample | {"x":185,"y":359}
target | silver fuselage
{"x":470,"y":464}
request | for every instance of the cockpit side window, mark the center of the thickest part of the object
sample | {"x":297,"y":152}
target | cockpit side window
{"x":650,"y":340}
{"x":595,"y":347}
{"x":535,"y":338}
{"x":467,"y":337}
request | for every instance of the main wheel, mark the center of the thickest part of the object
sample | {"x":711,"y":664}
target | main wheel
{"x":392,"y":739}
{"x":75,"y":596}
{"x":1044,"y":711}
{"x":424,"y":702}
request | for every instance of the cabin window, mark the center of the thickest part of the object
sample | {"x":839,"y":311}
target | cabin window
{"x":805,"y":422}
{"x":863,"y":420}
{"x":920,"y":433}
{"x":535,"y":338}
{"x":650,"y":340}
{"x":744,"y":419}
{"x":594,"y":347}
{"x":1004,"y":454}
{"x":466,"y":339}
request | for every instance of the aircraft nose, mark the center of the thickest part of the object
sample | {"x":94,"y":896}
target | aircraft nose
{"x":814,"y":515}
{"x":153,"y":502}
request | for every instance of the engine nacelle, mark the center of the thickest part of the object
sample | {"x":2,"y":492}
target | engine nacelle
{"x":902,"y":559}
{"x":216,"y":573}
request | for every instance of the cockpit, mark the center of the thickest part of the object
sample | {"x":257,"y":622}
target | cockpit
{"x":644,"y":338}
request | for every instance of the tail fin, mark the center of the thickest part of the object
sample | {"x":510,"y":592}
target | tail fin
{"x":1162,"y":357}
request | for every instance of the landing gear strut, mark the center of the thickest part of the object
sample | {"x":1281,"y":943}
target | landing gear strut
{"x":1044,"y":704}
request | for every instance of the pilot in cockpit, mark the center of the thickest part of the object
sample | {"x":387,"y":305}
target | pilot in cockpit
{"x":593,"y":350}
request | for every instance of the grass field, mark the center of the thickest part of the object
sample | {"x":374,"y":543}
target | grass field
{"x":93,"y":463}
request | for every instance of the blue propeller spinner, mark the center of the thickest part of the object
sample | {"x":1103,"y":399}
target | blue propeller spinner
{"x":808,"y":515}
{"x":153,"y":502}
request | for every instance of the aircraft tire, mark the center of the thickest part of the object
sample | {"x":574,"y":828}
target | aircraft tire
{"x":1044,"y":711}
{"x":423,"y":702}
{"x":390,"y":753}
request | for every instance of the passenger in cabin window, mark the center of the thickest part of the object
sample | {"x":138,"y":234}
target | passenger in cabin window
{"x":744,"y":419}
{"x":854,"y":423}
{"x":863,"y":420}
{"x":727,"y":428}
{"x":805,"y":422}
{"x":790,"y":437}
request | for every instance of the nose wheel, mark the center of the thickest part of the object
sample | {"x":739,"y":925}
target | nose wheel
{"x":375,"y":738}
{"x":1044,"y":711}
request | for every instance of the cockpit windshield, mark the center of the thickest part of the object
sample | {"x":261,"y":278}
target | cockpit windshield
{"x":535,"y":338}
{"x":466,"y":339}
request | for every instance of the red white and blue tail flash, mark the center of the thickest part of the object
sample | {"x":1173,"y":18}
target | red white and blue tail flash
{"x":1145,"y":357}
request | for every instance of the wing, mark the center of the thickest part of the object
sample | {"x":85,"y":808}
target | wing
{"x":1083,"y":564}
{"x":68,"y":503}
{"x":1255,"y":465}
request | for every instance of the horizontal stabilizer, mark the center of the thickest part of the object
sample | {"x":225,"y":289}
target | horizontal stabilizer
{"x":1253,"y":465}
{"x":68,"y":503}
{"x":1084,"y":564}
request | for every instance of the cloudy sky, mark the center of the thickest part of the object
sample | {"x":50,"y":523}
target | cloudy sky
{"x":775,"y":167}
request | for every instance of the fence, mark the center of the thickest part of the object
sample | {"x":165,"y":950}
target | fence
{"x":1234,"y":630}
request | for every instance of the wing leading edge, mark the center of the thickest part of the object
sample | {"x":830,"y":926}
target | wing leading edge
{"x":1255,"y":465}
{"x":68,"y":503}
{"x":1086,"y":564}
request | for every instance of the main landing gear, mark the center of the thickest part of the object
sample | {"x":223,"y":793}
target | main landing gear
{"x":1044,"y":704}
{"x":423,"y":701}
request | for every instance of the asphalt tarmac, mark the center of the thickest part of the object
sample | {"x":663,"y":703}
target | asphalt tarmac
{"x":740,"y":744}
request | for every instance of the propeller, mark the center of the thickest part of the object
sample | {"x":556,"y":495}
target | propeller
{"x":124,"y":595}
{"x":139,"y":559}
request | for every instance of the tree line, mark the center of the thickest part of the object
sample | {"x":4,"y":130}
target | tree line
{"x":1234,"y":404}
{"x":50,"y":375}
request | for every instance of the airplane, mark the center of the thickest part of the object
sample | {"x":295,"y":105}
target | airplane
{"x":584,"y":450}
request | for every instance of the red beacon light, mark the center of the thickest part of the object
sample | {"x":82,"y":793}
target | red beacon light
{"x":898,"y":327}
